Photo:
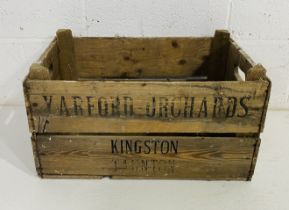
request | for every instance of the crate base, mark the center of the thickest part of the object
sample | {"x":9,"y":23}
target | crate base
{"x":145,"y":157}
{"x":45,"y":176}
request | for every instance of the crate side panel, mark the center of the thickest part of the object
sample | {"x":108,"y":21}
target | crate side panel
{"x":146,"y":156}
{"x":140,"y":57}
{"x":147,"y":107}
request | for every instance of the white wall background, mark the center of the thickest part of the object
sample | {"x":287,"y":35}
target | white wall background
{"x":260,"y":26}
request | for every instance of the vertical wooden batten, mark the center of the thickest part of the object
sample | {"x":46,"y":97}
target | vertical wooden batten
{"x":218,"y":55}
{"x":66,"y":54}
{"x":258,"y":72}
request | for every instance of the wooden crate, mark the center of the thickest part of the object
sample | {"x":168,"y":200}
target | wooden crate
{"x":146,"y":108}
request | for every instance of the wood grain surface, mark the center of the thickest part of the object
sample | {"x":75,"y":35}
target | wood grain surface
{"x":140,"y":57}
{"x":169,"y":157}
{"x":171,"y":108}
{"x":146,"y":107}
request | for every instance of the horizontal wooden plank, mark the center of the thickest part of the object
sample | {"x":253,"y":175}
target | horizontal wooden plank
{"x":140,"y":57}
{"x":170,"y":157}
{"x":146,"y":107}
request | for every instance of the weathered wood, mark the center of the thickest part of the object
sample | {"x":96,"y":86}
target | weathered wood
{"x":169,"y":157}
{"x":34,"y":143}
{"x":72,"y":176}
{"x":28,"y":105}
{"x":254,"y":159}
{"x":237,"y":58}
{"x":245,"y":61}
{"x":50,"y":60}
{"x":150,"y":79}
{"x":137,"y":94}
{"x":232,"y":61}
{"x":218,"y":56}
{"x":140,"y":57}
{"x":257,"y":72}
{"x":38,"y":72}
{"x":147,"y":107}
{"x":66,"y":54}
{"x":266,"y":103}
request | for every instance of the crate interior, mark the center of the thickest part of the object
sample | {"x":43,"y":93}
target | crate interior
{"x":215,"y":58}
{"x":141,"y":57}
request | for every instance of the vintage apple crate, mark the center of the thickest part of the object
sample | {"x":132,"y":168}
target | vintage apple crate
{"x":173,"y":108}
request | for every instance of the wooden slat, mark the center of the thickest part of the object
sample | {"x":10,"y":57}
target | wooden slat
{"x":73,"y":176}
{"x":45,"y":57}
{"x":232,"y":61}
{"x":38,"y":72}
{"x":257,"y":72}
{"x":169,"y":157}
{"x":218,"y":56}
{"x":245,"y":61}
{"x":66,"y":54}
{"x":147,"y":107}
{"x":237,"y":58}
{"x":266,"y":103}
{"x":49,"y":59}
{"x":34,"y":142}
{"x":254,"y":159}
{"x":140,"y":57}
{"x":28,"y":105}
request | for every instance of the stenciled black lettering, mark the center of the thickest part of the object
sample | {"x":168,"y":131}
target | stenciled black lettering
{"x":137,"y":147}
{"x":128,"y":106}
{"x":89,"y":105}
{"x":146,"y":144}
{"x":102,"y":107}
{"x":152,"y":108}
{"x":203,"y":108}
{"x":231,"y":108}
{"x":192,"y":107}
{"x":77,"y":101}
{"x":189,"y":113}
{"x":115,"y":107}
{"x":174,"y":147}
{"x":165,"y":147}
{"x":125,"y":146}
{"x":63,"y":106}
{"x":48,"y":103}
{"x":144,"y":165}
{"x":219,"y":109}
{"x":155,"y":146}
{"x":121,"y":146}
{"x":128,"y":146}
{"x":114,"y":146}
{"x":175,"y":113}
{"x":163,"y":107}
{"x":243,"y":104}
